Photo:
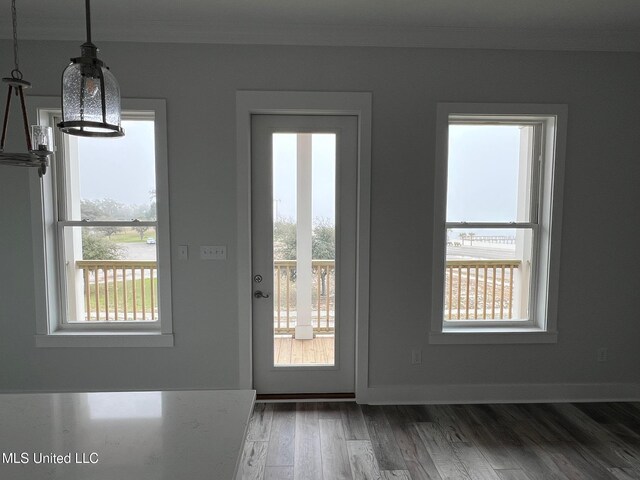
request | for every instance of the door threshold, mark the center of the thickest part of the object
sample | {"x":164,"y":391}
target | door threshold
{"x":305,"y":397}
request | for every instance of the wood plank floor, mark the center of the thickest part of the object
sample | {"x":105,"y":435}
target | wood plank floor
{"x":346,"y":441}
{"x":317,"y":351}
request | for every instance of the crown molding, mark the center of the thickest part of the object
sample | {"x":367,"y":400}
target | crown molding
{"x":334,"y":35}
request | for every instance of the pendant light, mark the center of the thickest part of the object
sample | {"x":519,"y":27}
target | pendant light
{"x":90,"y":94}
{"x":42,"y":136}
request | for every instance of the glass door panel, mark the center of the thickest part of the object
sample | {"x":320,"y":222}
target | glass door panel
{"x":304,"y":247}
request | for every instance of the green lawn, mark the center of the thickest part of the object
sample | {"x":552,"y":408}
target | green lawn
{"x":129,"y":293}
{"x":129,"y":235}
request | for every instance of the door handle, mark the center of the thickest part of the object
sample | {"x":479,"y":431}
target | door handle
{"x":260,"y":294}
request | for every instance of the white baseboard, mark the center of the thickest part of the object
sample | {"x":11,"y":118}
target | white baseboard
{"x":499,"y":393}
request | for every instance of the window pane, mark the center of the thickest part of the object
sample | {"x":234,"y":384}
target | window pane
{"x":304,"y":198}
{"x":112,"y":178}
{"x":111,"y":274}
{"x":488,"y":273}
{"x":489,"y":173}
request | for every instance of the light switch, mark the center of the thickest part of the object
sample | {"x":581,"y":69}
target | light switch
{"x":211,"y":252}
{"x":183,"y":252}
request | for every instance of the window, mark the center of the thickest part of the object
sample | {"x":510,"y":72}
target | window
{"x":105,"y":241}
{"x":498,"y":212}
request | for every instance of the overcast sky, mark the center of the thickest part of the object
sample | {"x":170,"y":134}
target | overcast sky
{"x":483,"y":173}
{"x":482,"y":181}
{"x":122,"y":169}
{"x":323,"y":164}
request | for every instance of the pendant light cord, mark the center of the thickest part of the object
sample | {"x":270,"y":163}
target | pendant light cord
{"x":88,"y":19}
{"x":16,"y":73}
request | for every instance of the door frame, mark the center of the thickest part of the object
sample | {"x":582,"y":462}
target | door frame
{"x":251,"y":102}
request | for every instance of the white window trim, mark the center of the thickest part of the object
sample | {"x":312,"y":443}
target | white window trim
{"x":542,"y":328}
{"x":50,"y":331}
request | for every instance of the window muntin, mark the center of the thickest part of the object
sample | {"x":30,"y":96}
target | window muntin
{"x":540,"y":230}
{"x":491,"y":219}
{"x":105,"y":232}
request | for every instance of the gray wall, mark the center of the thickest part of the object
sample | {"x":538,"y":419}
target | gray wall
{"x":599,"y":303}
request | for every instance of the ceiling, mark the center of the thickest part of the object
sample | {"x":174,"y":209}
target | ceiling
{"x":538,"y":24}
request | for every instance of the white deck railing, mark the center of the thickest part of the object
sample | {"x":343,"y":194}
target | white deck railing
{"x":119,"y":290}
{"x":479,"y":289}
{"x":123,"y":290}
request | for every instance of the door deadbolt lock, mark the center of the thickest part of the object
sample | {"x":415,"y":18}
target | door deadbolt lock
{"x":257,"y":278}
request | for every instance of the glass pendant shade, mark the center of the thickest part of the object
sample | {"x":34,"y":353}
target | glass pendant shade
{"x":90,"y":93}
{"x":41,"y":138}
{"x":90,"y":98}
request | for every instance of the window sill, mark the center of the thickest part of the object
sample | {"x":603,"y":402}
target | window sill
{"x":489,"y":335}
{"x":104,"y":339}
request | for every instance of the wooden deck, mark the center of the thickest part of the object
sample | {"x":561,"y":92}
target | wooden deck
{"x":319,"y":351}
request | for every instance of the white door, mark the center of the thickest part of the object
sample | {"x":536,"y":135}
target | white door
{"x":303,"y":220}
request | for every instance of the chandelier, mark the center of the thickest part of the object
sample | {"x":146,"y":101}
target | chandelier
{"x":39,"y":141}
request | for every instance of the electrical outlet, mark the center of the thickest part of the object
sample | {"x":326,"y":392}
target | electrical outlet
{"x":416,"y":357}
{"x":603,"y":354}
{"x":210,"y":252}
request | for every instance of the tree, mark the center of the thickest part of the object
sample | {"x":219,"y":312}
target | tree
{"x":109,"y":209}
{"x":108,"y":231}
{"x":284,"y":239}
{"x":323,"y":242}
{"x":104,"y":209}
{"x":144,"y":213}
{"x":463,"y":236}
{"x":98,"y":247}
{"x":151,"y":211}
{"x":141,"y":230}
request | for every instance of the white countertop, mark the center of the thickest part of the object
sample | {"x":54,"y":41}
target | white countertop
{"x":170,"y":435}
